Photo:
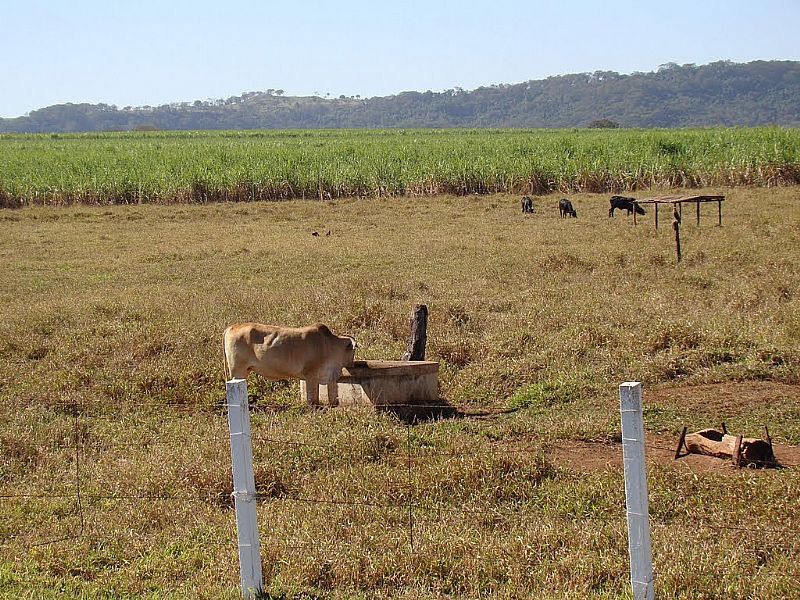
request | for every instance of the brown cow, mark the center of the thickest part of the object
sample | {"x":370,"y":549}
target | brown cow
{"x":312,"y":354}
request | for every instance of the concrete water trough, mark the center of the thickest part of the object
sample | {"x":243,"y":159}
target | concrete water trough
{"x":403,"y":387}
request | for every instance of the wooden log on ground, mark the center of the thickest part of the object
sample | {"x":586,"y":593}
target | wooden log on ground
{"x":737,"y":450}
{"x":713,"y":442}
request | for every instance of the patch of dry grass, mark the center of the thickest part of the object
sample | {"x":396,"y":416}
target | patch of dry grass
{"x":115,"y":315}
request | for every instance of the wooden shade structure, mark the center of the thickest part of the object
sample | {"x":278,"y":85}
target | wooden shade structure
{"x":677,"y":203}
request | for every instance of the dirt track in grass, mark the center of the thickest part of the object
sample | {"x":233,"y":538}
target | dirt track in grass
{"x":724,"y":398}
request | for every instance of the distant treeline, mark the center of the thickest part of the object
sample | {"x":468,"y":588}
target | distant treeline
{"x":176,"y":167}
{"x":721,"y":93}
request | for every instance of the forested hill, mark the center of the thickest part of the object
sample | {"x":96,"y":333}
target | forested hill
{"x":721,"y":93}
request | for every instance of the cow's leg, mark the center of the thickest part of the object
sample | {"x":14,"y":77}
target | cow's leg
{"x":303,"y":390}
{"x":312,"y":391}
{"x":333,"y":394}
{"x":238,"y":370}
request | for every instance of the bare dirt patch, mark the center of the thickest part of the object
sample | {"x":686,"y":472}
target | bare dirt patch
{"x":588,"y":456}
{"x":603,"y":456}
{"x":726,"y":397}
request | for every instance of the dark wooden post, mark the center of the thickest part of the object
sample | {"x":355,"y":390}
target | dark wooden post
{"x":655,"y":206}
{"x":698,"y":212}
{"x":419,"y":336}
{"x":676,"y":226}
{"x":680,"y":443}
{"x":719,"y":209}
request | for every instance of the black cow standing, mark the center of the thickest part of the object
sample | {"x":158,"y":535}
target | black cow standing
{"x":623,"y":203}
{"x":527,"y":205}
{"x":565,"y":209}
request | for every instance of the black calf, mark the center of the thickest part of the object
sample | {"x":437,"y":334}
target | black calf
{"x":623,"y":203}
{"x":565,"y":209}
{"x":527,"y":205}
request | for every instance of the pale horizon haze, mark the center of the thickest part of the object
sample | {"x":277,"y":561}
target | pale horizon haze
{"x":141,"y":53}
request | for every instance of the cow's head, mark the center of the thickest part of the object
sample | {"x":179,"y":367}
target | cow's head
{"x":342,"y":355}
{"x":349,"y":351}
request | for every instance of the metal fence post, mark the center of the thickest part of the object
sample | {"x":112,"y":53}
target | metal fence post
{"x":244,"y":488}
{"x":641,"y":558}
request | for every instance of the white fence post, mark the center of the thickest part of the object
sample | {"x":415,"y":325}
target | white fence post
{"x":244,"y":487}
{"x":630,"y":407}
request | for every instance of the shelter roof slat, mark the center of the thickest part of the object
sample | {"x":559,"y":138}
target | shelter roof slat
{"x":679,"y":199}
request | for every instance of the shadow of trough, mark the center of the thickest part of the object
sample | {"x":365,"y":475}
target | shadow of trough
{"x":412,"y":414}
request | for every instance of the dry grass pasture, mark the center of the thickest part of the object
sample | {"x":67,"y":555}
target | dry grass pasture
{"x":114,"y":460}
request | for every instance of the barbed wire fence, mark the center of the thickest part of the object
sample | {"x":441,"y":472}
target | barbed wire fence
{"x":759,"y":539}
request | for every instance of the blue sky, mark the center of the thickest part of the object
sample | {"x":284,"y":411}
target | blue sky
{"x":146,"y":52}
